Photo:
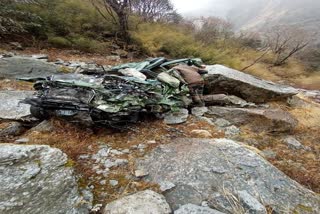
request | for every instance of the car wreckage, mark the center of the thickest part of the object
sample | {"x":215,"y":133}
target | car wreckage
{"x":115,"y":97}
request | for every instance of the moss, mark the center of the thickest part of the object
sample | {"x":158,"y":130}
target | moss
{"x":70,"y":163}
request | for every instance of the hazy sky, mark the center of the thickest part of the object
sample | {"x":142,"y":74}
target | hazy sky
{"x":196,"y":7}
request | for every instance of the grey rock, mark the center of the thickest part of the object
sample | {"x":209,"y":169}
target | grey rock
{"x":194,"y":209}
{"x":22,"y":140}
{"x":115,"y":163}
{"x":221,"y":123}
{"x":251,"y":204}
{"x":269,"y":154}
{"x":44,"y":126}
{"x":11,"y":109}
{"x":113,"y":183}
{"x":199,"y":111}
{"x":34,"y":179}
{"x":223,"y":203}
{"x":142,"y":146}
{"x":40,"y":56}
{"x":187,"y":162}
{"x":126,"y":151}
{"x":101,"y":155}
{"x":293,"y":143}
{"x":25,"y":67}
{"x":139,"y":203}
{"x":222,"y":79}
{"x":103,"y":182}
{"x":182,"y":194}
{"x":166,"y":185}
{"x":273,"y":120}
{"x":116,"y":152}
{"x":178,"y":117}
{"x":140,"y":173}
{"x":113,"y":58}
{"x":226,"y":100}
{"x":232,"y":131}
{"x":14,"y":129}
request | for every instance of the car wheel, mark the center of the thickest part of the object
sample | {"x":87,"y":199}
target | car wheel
{"x":39,"y":113}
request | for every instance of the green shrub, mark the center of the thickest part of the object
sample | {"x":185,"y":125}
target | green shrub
{"x":59,"y":42}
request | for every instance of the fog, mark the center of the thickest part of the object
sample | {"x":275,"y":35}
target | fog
{"x":255,"y":14}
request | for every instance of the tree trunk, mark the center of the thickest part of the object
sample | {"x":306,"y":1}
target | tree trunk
{"x":123,"y":26}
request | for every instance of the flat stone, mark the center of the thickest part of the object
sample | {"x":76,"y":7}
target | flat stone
{"x":293,"y":143}
{"x":25,"y":67}
{"x":232,"y":131}
{"x":35,"y":179}
{"x":194,"y":209}
{"x":166,"y":185}
{"x":272,"y":120}
{"x":221,"y":80}
{"x":189,"y":163}
{"x":199,"y":111}
{"x":251,"y":204}
{"x":178,"y":117}
{"x":22,"y":141}
{"x":140,"y":173}
{"x":226,"y":100}
{"x":113,"y":183}
{"x":221,"y":123}
{"x":139,"y":203}
{"x":11,"y":108}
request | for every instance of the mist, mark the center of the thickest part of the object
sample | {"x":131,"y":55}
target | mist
{"x":256,"y":14}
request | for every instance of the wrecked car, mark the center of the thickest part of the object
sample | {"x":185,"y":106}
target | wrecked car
{"x":114,"y":97}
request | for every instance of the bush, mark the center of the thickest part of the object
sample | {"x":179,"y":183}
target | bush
{"x":180,"y":43}
{"x":59,"y":42}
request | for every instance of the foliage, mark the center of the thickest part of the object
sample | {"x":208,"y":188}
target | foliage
{"x":178,"y":42}
{"x":15,"y":21}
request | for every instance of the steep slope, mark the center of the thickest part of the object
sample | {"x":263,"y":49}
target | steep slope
{"x":258,"y":15}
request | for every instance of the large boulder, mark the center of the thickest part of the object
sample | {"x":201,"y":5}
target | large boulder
{"x":271,"y":120}
{"x":202,"y":168}
{"x":35,"y":179}
{"x":140,"y":203}
{"x":11,"y":108}
{"x":222,"y":80}
{"x":25,"y":67}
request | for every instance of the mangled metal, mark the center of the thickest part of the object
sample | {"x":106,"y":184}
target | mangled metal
{"x":115,"y":97}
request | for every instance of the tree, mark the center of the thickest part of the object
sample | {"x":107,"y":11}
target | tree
{"x":119,"y":10}
{"x":285,"y":41}
{"x":212,"y":29}
{"x":15,"y":21}
{"x":153,"y":10}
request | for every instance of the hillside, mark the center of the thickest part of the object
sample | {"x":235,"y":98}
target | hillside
{"x":258,"y":15}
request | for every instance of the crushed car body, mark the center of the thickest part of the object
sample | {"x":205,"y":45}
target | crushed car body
{"x":115,"y":97}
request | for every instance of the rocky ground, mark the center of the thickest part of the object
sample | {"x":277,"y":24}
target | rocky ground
{"x":256,"y":154}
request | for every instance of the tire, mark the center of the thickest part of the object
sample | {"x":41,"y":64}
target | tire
{"x":39,"y":113}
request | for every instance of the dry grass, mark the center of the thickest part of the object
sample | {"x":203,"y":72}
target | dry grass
{"x":15,"y":85}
